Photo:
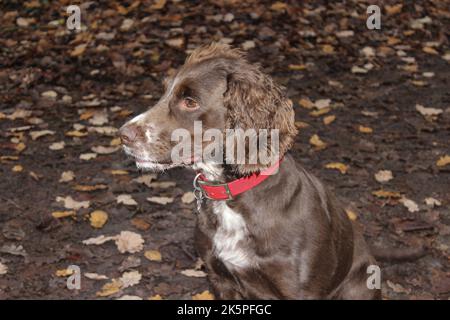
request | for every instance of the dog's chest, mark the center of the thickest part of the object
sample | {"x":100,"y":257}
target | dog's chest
{"x":230,"y":241}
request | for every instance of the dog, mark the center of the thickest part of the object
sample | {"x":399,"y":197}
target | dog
{"x":285,"y":236}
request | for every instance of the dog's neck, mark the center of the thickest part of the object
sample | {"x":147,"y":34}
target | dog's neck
{"x":217,"y":172}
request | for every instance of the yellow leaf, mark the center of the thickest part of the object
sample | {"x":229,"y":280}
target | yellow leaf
{"x":351,"y":214}
{"x":87,"y":115}
{"x":337,"y":166}
{"x":297,"y":67}
{"x":158,"y":5}
{"x":365,"y":129}
{"x":391,"y":10}
{"x":205,"y":295}
{"x":115,"y":142}
{"x":64,"y":272}
{"x":153,"y":255}
{"x":329,"y":119}
{"x":76,"y":133}
{"x":328,"y":49}
{"x":317,"y":142}
{"x":17,"y":168}
{"x":386,"y":194}
{"x":110,"y":288}
{"x":98,"y":218}
{"x":318,"y":113}
{"x":306,"y":103}
{"x":63,"y":214}
{"x":155,"y":297}
{"x":20,"y":147}
{"x":443,"y":161}
{"x":301,"y":125}
{"x":85,"y":188}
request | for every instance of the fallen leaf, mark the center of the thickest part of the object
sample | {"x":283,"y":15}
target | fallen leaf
{"x":17,"y":168}
{"x":205,"y":295}
{"x":351,"y":214}
{"x":296,"y":67}
{"x":320,"y":112}
{"x":188,"y":197}
{"x":63,"y":214}
{"x":95,"y":276}
{"x":394,"y":9}
{"x":383,"y":176}
{"x":64,"y":272}
{"x":163,"y":184}
{"x":115,"y":142}
{"x":140,"y":224}
{"x":130,"y":298}
{"x":397,"y":287}
{"x":88,"y":188}
{"x":98,"y":218}
{"x":155,"y":297}
{"x":432,"y":202}
{"x":57,"y":145}
{"x":428,"y":111}
{"x":126,"y":199}
{"x":338,"y":166}
{"x":110,"y":288}
{"x":20,"y":147}
{"x":247,"y":45}
{"x":78,"y":50}
{"x":429,"y":50}
{"x":356,"y":69}
{"x":88,"y":156}
{"x":153,"y":255}
{"x":364,"y":129}
{"x":328,"y":119}
{"x":105,"y":150}
{"x":193,"y":273}
{"x":409,"y":204}
{"x":158,"y":4}
{"x":3,"y":269}
{"x":70,"y":203}
{"x":386,"y":194}
{"x":322,"y":103}
{"x":328,"y":49}
{"x":317,"y":142}
{"x":67,"y":176}
{"x":175,"y":43}
{"x":76,"y":134}
{"x":130,"y":279}
{"x":306,"y":103}
{"x":443,"y":161}
{"x":98,"y":240}
{"x":160,"y":200}
{"x":128,"y":241}
{"x":119,"y":172}
{"x":49,"y":94}
{"x":146,"y":179}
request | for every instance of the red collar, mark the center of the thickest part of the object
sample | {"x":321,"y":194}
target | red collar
{"x":227,"y":191}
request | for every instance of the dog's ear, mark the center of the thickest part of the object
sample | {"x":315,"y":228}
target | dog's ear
{"x":254,"y":101}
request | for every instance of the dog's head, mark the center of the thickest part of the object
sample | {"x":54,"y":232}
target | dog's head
{"x":219,"y":88}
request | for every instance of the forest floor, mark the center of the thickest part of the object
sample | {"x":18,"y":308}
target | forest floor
{"x":378,"y":101}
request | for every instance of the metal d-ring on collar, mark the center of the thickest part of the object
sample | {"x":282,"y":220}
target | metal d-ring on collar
{"x":198,"y":192}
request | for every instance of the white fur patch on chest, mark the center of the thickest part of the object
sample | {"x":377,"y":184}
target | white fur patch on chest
{"x":229,"y":245}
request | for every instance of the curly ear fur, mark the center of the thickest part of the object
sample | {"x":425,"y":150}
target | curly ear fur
{"x":254,"y":101}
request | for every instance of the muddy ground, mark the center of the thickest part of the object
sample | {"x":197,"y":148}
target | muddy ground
{"x":81,"y":86}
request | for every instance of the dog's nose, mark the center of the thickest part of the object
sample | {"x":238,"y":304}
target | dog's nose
{"x":128,"y":134}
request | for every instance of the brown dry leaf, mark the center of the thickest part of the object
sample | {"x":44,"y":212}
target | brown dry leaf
{"x":98,"y":218}
{"x":88,"y":156}
{"x":64,"y":272}
{"x":115,"y":142}
{"x":158,"y":4}
{"x":155,"y":297}
{"x":20,"y":147}
{"x":394,"y":9}
{"x":443,"y":161}
{"x":193,"y":273}
{"x":337,"y":166}
{"x":78,"y":50}
{"x":126,"y":199}
{"x":317,"y":142}
{"x":128,"y":241}
{"x":188,"y":197}
{"x":70,"y":203}
{"x":57,"y":145}
{"x":63,"y":214}
{"x":306,"y":103}
{"x":160,"y":200}
{"x":119,"y":172}
{"x":386,"y":194}
{"x":153,"y":255}
{"x":383,"y":176}
{"x":110,"y":288}
{"x":328,"y":49}
{"x":105,"y":150}
{"x":87,"y":188}
{"x":301,"y":125}
{"x":318,"y":113}
{"x":429,"y":50}
{"x":279,"y":6}
{"x":364,"y":129}
{"x":87,"y":114}
{"x":351,"y":214}
{"x":205,"y":295}
{"x":140,"y":224}
{"x":17,"y":168}
{"x":297,"y":67}
{"x":3,"y":269}
{"x":328,"y":119}
{"x":37,"y":134}
{"x":76,"y":133}
{"x":67,"y":176}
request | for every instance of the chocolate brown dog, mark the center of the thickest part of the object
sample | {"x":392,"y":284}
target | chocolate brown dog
{"x":285,"y":238}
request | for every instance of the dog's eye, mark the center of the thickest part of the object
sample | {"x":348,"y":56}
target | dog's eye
{"x":190,"y":103}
